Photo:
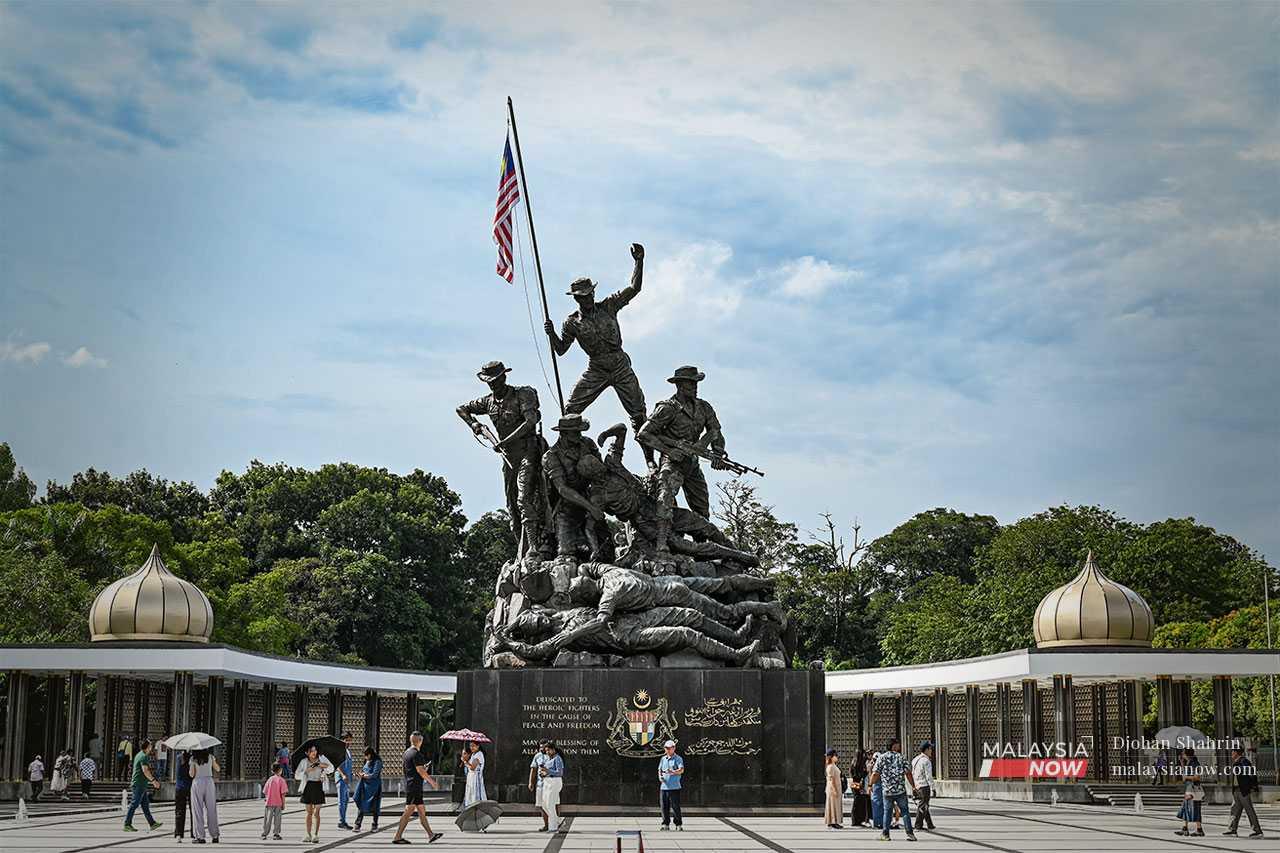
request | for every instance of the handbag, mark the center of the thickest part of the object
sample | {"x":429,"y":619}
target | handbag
{"x":1196,"y":793}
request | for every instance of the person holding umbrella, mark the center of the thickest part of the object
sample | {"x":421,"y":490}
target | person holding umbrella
{"x":204,"y":795}
{"x":344,"y":788}
{"x":181,"y":795}
{"x":312,"y":769}
{"x":473,"y":762}
{"x":417,"y":769}
{"x":369,"y":788}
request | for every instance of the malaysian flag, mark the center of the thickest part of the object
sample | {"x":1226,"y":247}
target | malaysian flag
{"x":508,"y":195}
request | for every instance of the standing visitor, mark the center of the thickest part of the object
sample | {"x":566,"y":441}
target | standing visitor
{"x":922,"y":776}
{"x":535,"y":768}
{"x":142,"y":782}
{"x":834,"y":813}
{"x":344,"y":787}
{"x":312,"y":769}
{"x":892,"y":773}
{"x":1246,"y":778}
{"x":858,"y":772}
{"x":204,"y":796}
{"x":369,"y":788}
{"x":61,"y":775}
{"x":88,"y":771}
{"x":1192,"y":793}
{"x":670,"y":773}
{"x":95,"y":750}
{"x":124,"y":756}
{"x":181,"y":794}
{"x":273,"y":794}
{"x":552,"y":774}
{"x":417,"y":770}
{"x":877,"y":795}
{"x":473,"y":764}
{"x":162,"y":759}
{"x":282,"y":756}
{"x":35,"y":775}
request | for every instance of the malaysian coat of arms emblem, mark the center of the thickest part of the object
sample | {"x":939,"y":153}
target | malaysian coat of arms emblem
{"x":640,"y":730}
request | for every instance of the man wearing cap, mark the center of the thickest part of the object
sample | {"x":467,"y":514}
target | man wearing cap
{"x":515,"y":415}
{"x":595,"y":327}
{"x":578,"y":521}
{"x":687,"y":419}
{"x":922,"y":775}
{"x":670,"y":769}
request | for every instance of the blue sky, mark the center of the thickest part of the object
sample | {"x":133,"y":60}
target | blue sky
{"x":992,"y":257}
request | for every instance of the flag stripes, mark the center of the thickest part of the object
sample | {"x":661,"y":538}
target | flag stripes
{"x":508,"y":195}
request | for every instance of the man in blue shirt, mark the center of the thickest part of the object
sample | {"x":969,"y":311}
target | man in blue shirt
{"x":535,"y":779}
{"x":552,"y":773}
{"x":344,"y":789}
{"x":670,"y":769}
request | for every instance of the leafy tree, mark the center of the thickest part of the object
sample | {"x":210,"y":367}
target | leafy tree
{"x":177,"y":504}
{"x":101,"y":545}
{"x":16,"y":488}
{"x":937,"y":541}
{"x":42,"y":598}
{"x":933,"y":623}
{"x":753,"y":525}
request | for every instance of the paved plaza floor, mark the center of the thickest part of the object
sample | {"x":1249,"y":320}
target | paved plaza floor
{"x":963,"y":826}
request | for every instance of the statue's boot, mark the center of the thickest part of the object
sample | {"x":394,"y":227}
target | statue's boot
{"x":722,"y":633}
{"x":663,"y":526}
{"x":771,"y":609}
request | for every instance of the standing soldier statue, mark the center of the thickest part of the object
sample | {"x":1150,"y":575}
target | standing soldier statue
{"x":515,"y":415}
{"x":579,"y":522}
{"x":682,"y":428}
{"x":595,"y":327}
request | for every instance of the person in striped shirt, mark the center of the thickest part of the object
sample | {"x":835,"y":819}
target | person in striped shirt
{"x":88,"y":772}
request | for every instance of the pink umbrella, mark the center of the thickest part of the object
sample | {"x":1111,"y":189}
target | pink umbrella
{"x":465,"y":735}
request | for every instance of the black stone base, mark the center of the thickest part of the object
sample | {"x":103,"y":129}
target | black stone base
{"x":749,"y":737}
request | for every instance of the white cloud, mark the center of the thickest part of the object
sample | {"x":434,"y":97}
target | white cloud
{"x":23,"y":353}
{"x":691,"y":282}
{"x":809,"y":277}
{"x":83,"y":358}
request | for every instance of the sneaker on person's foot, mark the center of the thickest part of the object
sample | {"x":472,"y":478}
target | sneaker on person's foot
{"x":911,"y":836}
{"x":128,"y":827}
{"x":277,"y":837}
{"x":679,"y":827}
{"x":1199,"y":833}
{"x":1257,"y":834}
{"x":156,"y":825}
{"x":1229,"y":832}
{"x":435,"y":836}
{"x":1182,"y":831}
{"x":663,"y":828}
{"x":264,"y":836}
{"x":399,"y":841}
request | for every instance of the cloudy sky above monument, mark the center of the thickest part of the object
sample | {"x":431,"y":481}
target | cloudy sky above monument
{"x":990,"y":257}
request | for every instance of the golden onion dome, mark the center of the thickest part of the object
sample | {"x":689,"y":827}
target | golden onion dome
{"x":1093,"y":610}
{"x":151,"y":604}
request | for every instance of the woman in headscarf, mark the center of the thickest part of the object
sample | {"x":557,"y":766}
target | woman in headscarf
{"x":204,"y":796}
{"x":369,"y":789}
{"x":834,"y":813}
{"x":311,"y":772}
{"x":181,"y":795}
{"x":473,"y":763}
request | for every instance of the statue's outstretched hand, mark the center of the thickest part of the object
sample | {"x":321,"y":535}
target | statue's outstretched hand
{"x":637,"y":251}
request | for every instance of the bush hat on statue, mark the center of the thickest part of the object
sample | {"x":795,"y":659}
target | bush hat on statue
{"x":582,"y":287}
{"x":572,"y":423}
{"x":687,"y":372}
{"x":492,"y":370}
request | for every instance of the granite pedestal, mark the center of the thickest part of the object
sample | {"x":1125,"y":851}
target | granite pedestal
{"x":749,"y":737}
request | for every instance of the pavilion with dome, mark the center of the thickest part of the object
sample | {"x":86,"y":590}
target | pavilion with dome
{"x":152,"y":671}
{"x":1085,"y":682}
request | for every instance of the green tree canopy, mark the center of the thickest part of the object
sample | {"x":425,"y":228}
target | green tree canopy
{"x":16,"y":488}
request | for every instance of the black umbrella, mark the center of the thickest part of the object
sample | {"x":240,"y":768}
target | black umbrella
{"x":330,"y":747}
{"x":478,"y":817}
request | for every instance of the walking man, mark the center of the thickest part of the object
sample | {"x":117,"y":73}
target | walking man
{"x":595,"y":327}
{"x":535,"y":780}
{"x":88,"y":771}
{"x":1246,"y":783}
{"x":892,"y":772}
{"x":344,"y":787}
{"x":552,"y":773}
{"x":670,"y":771}
{"x":35,"y":775}
{"x":676,"y":428}
{"x":417,"y":770}
{"x":141,"y":784}
{"x":514,"y":411}
{"x":922,"y":777}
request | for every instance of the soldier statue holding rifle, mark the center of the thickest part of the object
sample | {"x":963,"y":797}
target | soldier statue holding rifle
{"x":595,"y":327}
{"x":513,"y":409}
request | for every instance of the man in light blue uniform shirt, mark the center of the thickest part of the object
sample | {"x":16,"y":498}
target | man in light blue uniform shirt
{"x":670,"y":769}
{"x":344,"y":789}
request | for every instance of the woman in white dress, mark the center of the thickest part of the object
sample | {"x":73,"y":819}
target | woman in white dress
{"x":473,"y":762}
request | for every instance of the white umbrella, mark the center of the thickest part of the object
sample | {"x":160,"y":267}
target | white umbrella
{"x":192,"y":740}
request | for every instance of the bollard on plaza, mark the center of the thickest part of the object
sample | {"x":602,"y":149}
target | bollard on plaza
{"x":22,"y":815}
{"x":1137,"y":802}
{"x":124,"y":801}
{"x":1053,"y":797}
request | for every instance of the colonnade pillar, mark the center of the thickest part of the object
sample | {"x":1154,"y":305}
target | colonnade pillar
{"x":940,"y":739}
{"x":973,"y":729}
{"x":371,"y":719}
{"x":866,"y":716}
{"x":15,"y":725}
{"x":1064,"y":711}
{"x":55,"y":718}
{"x":74,"y":735}
{"x":1223,"y":721}
{"x":299,"y":714}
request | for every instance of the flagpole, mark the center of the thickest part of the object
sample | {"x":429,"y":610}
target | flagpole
{"x":533,"y":236}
